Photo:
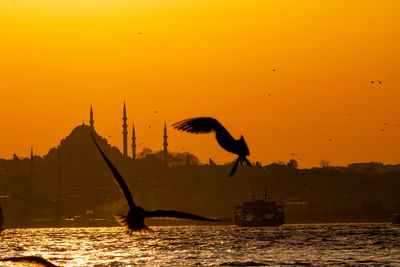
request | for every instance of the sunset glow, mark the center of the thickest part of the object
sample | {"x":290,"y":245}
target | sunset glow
{"x":291,"y":76}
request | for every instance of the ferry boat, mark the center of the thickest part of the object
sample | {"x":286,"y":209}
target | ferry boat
{"x":259,"y":213}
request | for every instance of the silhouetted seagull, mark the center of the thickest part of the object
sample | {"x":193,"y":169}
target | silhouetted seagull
{"x":224,"y":138}
{"x":31,"y":260}
{"x":134,"y":220}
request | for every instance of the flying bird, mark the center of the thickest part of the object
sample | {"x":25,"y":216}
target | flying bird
{"x":380,"y":82}
{"x":134,"y":220}
{"x":31,"y":260}
{"x":205,"y":125}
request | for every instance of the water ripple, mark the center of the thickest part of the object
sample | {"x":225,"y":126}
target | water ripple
{"x":298,"y":245}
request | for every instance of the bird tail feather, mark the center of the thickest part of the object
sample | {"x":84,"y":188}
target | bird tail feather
{"x":122,"y":220}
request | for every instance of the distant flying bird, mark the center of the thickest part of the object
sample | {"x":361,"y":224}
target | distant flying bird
{"x":31,"y":260}
{"x":224,"y":138}
{"x":274,"y":69}
{"x":372,"y":81}
{"x":134,"y":220}
{"x":293,"y":154}
{"x":155,"y":111}
{"x":149,"y":126}
{"x":380,"y":82}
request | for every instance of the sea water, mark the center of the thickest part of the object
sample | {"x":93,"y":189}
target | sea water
{"x":314,"y":245}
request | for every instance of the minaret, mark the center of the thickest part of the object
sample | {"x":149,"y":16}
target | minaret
{"x":125,"y":133}
{"x":165,"y":143}
{"x":91,"y":117}
{"x":133,"y":142}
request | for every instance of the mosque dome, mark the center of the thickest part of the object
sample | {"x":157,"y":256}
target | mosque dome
{"x":80,"y":131}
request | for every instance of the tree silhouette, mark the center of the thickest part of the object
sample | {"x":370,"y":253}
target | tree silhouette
{"x":292,"y":164}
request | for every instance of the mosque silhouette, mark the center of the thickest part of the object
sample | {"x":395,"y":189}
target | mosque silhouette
{"x":72,"y":182}
{"x":125,"y":135}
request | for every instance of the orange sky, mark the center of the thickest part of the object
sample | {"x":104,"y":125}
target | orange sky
{"x":205,"y":58}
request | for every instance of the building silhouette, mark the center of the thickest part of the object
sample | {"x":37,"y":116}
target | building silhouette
{"x":133,"y":139}
{"x":125,"y":133}
{"x":73,"y":186}
{"x":32,"y":166}
{"x":165,"y":144}
{"x":91,"y":117}
{"x":133,"y":142}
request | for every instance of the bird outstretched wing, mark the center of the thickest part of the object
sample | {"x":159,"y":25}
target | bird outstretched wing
{"x":177,"y":214}
{"x":32,"y":260}
{"x":200,"y":125}
{"x":116,"y":175}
